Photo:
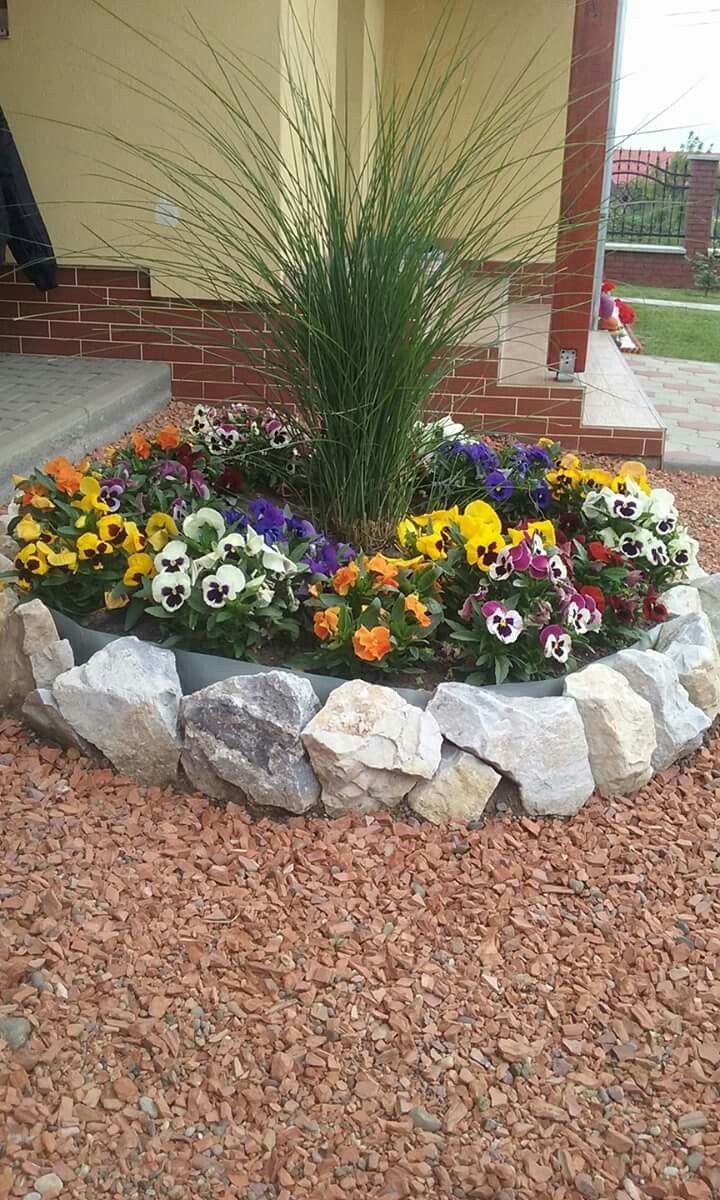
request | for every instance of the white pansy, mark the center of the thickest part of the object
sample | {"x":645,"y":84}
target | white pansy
{"x":632,"y":543}
{"x":227,"y":584}
{"x":683,"y":551}
{"x":624,"y":505}
{"x":204,"y":518}
{"x":171,"y":589}
{"x":207,"y":562}
{"x":265,"y":595}
{"x":254,"y":542}
{"x":557,"y":571}
{"x":173,"y":557}
{"x":655,"y":550}
{"x":609,"y":538}
{"x":232,"y":546}
{"x":595,"y":504}
{"x":662,"y":510}
{"x":273,"y":560}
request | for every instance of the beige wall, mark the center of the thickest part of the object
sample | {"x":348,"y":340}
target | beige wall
{"x":501,"y":37}
{"x":64,"y":84}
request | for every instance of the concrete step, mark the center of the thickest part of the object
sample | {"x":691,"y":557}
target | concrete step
{"x":70,"y":406}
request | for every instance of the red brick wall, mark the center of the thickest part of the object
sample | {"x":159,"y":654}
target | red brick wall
{"x":105,"y":312}
{"x":648,"y":267}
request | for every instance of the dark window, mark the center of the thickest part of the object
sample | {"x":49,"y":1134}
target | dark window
{"x":4,"y":21}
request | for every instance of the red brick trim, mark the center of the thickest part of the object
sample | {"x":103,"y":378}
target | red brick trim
{"x":588,"y":112}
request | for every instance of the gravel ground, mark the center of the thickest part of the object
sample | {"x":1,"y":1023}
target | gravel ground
{"x":216,"y":1007}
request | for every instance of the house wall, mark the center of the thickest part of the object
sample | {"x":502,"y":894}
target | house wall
{"x":521,"y":51}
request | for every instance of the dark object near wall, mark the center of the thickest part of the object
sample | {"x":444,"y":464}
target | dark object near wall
{"x":21,"y":226}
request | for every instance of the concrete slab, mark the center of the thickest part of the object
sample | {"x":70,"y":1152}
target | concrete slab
{"x":687,"y":396}
{"x":70,"y":406}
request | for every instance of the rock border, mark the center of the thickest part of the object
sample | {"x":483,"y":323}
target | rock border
{"x":266,"y":739}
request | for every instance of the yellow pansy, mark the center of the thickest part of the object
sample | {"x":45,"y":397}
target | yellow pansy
{"x":90,"y":492}
{"x":546,"y":442}
{"x":483,"y":547}
{"x":91,"y":549}
{"x":31,"y":560}
{"x":409,"y":529}
{"x":111,"y":528}
{"x":58,"y":558}
{"x":478,"y":518}
{"x":113,"y":602}
{"x":623,"y":478}
{"x":570,"y":462}
{"x":545,"y":529}
{"x":432,"y":545}
{"x":160,"y":529}
{"x":595,"y":477}
{"x":139,"y":566}
{"x":44,"y":503}
{"x":28,"y":529}
{"x":134,"y":541}
{"x":562,"y":479}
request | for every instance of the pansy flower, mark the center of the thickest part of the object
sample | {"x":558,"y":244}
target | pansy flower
{"x":173,"y":559}
{"x":160,"y":529}
{"x":204,"y":518}
{"x":371,"y":645}
{"x":139,"y":566}
{"x":505,"y":624}
{"x":266,"y":516}
{"x":556,"y":643}
{"x":225,"y":585}
{"x":111,"y":492}
{"x":171,"y":590}
{"x":582,"y":613}
{"x":111,"y":528}
{"x":90,"y":548}
{"x":499,"y":486}
{"x":202,"y":420}
{"x":653,"y":607}
{"x":414,"y":605}
{"x":556,"y":569}
{"x":90,"y":490}
{"x":325,"y":623}
{"x":31,"y":561}
{"x":467,"y":611}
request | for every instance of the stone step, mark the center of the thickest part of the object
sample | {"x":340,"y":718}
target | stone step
{"x":71,"y":406}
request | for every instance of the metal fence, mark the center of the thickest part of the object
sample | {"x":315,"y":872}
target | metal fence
{"x":648,"y":198}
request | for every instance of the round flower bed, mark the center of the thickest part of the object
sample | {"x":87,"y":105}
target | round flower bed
{"x":518,"y":564}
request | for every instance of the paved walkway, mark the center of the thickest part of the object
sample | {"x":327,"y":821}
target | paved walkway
{"x":51,"y":406}
{"x":687,"y":398}
{"x":673,"y":304}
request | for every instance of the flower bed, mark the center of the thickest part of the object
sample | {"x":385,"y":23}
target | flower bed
{"x":522,"y":565}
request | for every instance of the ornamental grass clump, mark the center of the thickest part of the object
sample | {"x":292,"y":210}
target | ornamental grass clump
{"x":361,"y":270}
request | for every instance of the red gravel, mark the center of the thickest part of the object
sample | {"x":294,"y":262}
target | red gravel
{"x":286,"y":994}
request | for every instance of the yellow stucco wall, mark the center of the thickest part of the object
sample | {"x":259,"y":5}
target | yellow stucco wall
{"x":501,"y":39}
{"x":64,"y":82}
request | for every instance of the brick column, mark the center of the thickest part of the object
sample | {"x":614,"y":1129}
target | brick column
{"x":588,"y":113}
{"x":701,"y":202}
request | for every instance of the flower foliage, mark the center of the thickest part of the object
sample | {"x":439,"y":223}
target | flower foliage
{"x":534,"y":565}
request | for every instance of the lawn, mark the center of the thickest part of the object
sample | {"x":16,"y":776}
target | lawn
{"x":682,"y":295}
{"x":679,"y":332}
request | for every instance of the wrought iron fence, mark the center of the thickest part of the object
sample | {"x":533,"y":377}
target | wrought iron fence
{"x":648,"y":198}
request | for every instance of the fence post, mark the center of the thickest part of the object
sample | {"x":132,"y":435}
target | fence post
{"x":701,"y":202}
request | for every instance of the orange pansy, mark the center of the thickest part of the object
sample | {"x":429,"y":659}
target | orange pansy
{"x":325,"y":623}
{"x":168,"y":438}
{"x":67,"y":477}
{"x":414,"y":605}
{"x":345,"y":578}
{"x":140,"y":445}
{"x":371,"y":644}
{"x":385,"y":568}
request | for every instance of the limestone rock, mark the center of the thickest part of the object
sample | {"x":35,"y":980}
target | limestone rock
{"x":681,"y":600}
{"x":539,"y":742}
{"x":42,"y":714}
{"x":708,"y":590}
{"x":28,"y":629}
{"x":9,"y":600}
{"x":245,"y":732}
{"x":7,"y":565}
{"x":8,"y":548}
{"x":690,"y":643}
{"x":125,"y":701}
{"x":679,"y":725}
{"x":459,"y":790}
{"x":369,"y":747}
{"x":50,"y":661}
{"x":619,"y":728}
{"x":16,"y":1031}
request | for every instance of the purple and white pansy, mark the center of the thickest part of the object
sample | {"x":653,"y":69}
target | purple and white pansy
{"x":506,"y":624}
{"x":171,"y":589}
{"x":581,"y":613}
{"x":173,"y":559}
{"x":556,"y":643}
{"x":225,"y":585}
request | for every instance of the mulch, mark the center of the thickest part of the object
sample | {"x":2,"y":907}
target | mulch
{"x":224,"y":1007}
{"x":314,"y":1010}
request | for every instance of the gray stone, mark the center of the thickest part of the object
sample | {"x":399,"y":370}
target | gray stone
{"x":32,"y":1196}
{"x":8,"y":548}
{"x":369,"y":747}
{"x":9,"y":600}
{"x":681,"y":600}
{"x":7,"y":565}
{"x":690,"y":643}
{"x":619,"y":728}
{"x":49,"y":1185}
{"x":148,"y":1106}
{"x":125,"y":701}
{"x":422,"y":1119}
{"x":459,"y":790}
{"x":539,"y":742}
{"x":41,"y":713}
{"x":679,"y":725}
{"x":708,"y":590}
{"x":51,"y":661}
{"x":27,"y":629}
{"x":245,"y":731}
{"x":16,"y":1031}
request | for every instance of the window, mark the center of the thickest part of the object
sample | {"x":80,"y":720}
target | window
{"x":4,"y":21}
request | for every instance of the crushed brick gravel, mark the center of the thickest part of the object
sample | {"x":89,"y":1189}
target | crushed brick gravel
{"x":360,"y":1008}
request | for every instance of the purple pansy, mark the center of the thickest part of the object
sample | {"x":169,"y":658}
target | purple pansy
{"x":499,"y":486}
{"x":506,"y":624}
{"x":266,"y":515}
{"x":110,"y":491}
